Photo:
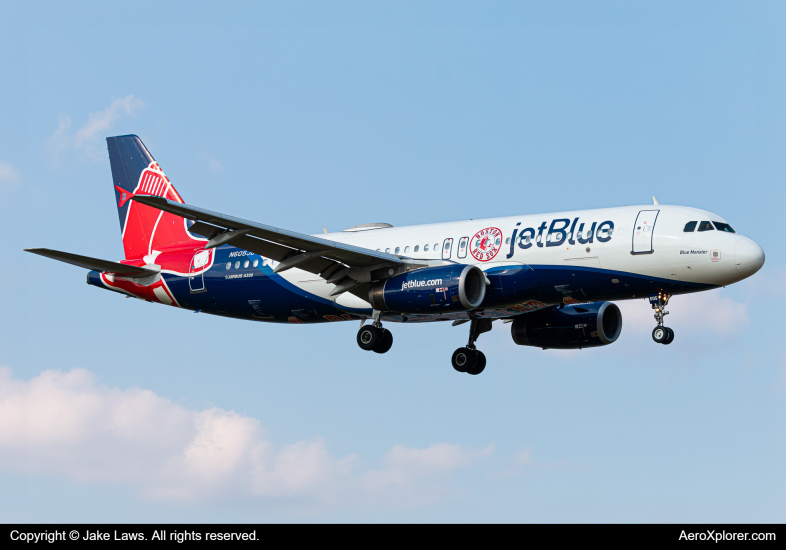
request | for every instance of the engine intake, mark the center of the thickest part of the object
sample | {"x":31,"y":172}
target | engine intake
{"x":431,"y":290}
{"x":573,"y":327}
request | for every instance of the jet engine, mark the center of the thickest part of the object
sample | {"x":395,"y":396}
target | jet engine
{"x":431,"y":290}
{"x":572,"y":327}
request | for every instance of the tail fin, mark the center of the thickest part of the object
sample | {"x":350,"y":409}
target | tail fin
{"x":135,"y":172}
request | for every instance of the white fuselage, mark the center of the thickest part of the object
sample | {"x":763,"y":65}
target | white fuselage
{"x":663,"y":248}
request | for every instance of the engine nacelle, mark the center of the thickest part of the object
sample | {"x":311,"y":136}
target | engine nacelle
{"x":572,"y":327}
{"x":431,"y":290}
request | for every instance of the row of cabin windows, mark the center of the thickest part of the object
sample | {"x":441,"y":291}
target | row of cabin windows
{"x":708,"y":226}
{"x":245,"y":264}
{"x":526,"y":239}
{"x":416,"y":249}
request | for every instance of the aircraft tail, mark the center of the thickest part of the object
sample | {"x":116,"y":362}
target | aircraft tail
{"x":145,"y":230}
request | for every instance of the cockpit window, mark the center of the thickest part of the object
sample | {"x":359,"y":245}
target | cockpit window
{"x":720,"y":226}
{"x":705,"y":226}
{"x":689,"y":227}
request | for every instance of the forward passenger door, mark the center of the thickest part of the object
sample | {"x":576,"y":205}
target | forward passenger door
{"x":643,"y":230}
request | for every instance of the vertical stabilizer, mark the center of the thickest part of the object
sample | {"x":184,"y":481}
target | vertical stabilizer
{"x":135,"y":172}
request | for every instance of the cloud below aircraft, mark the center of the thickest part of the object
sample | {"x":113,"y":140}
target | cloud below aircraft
{"x":66,"y":424}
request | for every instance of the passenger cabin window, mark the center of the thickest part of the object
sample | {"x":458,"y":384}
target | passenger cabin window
{"x":436,"y":247}
{"x":417,"y":247}
{"x":425,"y":248}
{"x":387,"y":250}
{"x":245,"y":264}
{"x":237,"y":265}
{"x":397,"y":249}
{"x":689,"y":227}
{"x":705,"y":226}
{"x":406,"y":249}
{"x":720,"y":226}
{"x":229,"y":265}
{"x":256,"y":263}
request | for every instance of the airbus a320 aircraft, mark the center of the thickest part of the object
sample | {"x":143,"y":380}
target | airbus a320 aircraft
{"x":552,"y":276}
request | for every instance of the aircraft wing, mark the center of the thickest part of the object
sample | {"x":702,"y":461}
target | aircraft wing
{"x":312,"y":254}
{"x":93,"y":263}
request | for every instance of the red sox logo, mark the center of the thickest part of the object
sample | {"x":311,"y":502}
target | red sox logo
{"x":485,"y":244}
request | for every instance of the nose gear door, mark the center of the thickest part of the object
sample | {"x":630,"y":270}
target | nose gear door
{"x":196,"y":271}
{"x":643,"y":230}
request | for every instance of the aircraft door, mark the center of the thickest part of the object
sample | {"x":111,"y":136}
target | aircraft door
{"x":462,"y":248}
{"x":196,"y":271}
{"x":643,"y":230}
{"x":447,"y":246}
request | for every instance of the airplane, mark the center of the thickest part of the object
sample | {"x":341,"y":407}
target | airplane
{"x":554,"y":277}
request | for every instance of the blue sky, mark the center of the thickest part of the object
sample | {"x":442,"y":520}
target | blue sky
{"x":300,"y":115}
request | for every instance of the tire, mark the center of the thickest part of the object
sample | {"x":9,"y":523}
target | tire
{"x":368,"y":337}
{"x":479,"y":365}
{"x":660,"y":334}
{"x":464,"y":359}
{"x":385,"y":342}
{"x":670,"y":338}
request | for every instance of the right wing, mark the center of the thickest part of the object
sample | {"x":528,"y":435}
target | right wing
{"x":332,"y":260}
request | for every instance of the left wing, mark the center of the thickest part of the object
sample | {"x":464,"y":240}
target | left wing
{"x":97,"y":264}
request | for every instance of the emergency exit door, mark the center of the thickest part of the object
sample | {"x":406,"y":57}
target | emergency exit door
{"x":643,"y":230}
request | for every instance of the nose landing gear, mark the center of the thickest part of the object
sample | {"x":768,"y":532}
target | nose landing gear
{"x":469,"y":359}
{"x":661,"y":334}
{"x":374,"y":337}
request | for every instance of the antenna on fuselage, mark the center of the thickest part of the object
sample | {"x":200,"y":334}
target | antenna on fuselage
{"x":655,"y":201}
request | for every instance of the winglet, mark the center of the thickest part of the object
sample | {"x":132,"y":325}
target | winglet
{"x":655,"y":201}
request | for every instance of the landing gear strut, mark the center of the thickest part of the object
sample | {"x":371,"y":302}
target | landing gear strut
{"x":374,"y":337}
{"x":470,"y":359}
{"x":661,"y":334}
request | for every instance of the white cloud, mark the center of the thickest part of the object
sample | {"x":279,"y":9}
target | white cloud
{"x":63,"y":423}
{"x":523,"y":461}
{"x":9,"y":176}
{"x":88,"y":138}
{"x":411,"y":476}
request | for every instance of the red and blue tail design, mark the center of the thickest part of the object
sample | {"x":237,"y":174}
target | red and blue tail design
{"x":144,"y":229}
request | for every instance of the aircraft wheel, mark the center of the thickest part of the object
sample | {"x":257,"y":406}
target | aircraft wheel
{"x":464,"y":359}
{"x":368,"y":337}
{"x":660,"y":334}
{"x":479,"y":365}
{"x":670,"y":338}
{"x":385,"y":341}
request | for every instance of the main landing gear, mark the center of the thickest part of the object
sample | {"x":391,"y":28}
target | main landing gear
{"x":470,"y":359}
{"x":661,"y":334}
{"x":374,"y":337}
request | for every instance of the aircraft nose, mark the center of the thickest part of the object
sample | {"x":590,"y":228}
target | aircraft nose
{"x":748,"y":256}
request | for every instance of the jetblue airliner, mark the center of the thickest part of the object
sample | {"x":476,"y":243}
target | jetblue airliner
{"x":553,"y":277}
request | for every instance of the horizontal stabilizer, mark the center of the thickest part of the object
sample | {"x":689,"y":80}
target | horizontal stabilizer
{"x":93,"y":263}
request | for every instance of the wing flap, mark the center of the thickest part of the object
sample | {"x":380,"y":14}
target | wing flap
{"x":87,"y":262}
